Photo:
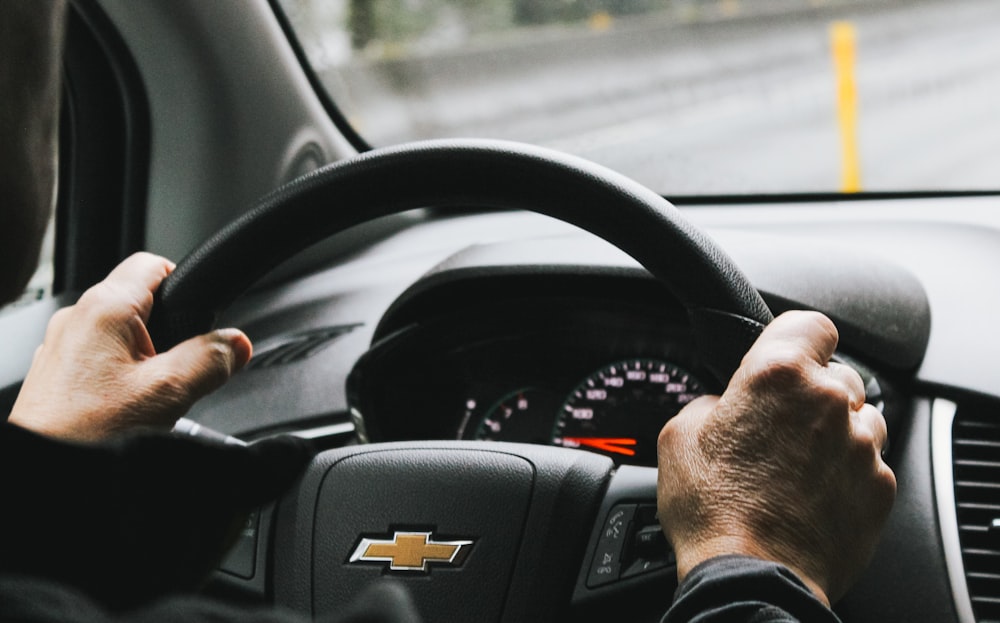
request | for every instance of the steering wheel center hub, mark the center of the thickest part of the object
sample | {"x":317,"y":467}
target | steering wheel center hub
{"x":453,"y":522}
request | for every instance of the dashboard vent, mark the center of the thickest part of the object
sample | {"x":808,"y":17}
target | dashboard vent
{"x":976,"y":455}
{"x":297,"y":346}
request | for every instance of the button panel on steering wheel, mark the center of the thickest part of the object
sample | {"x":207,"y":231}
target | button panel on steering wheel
{"x":630,"y":543}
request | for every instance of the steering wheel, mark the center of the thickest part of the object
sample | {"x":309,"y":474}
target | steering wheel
{"x":478,"y":531}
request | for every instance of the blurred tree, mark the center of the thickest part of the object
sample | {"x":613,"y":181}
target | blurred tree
{"x":361,"y":23}
{"x":394,"y":22}
{"x":546,"y":11}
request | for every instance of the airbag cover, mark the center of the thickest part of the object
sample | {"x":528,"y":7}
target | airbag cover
{"x":373,"y":494}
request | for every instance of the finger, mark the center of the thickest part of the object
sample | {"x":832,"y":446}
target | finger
{"x":851,"y":380}
{"x":136,"y":278}
{"x":198,"y":366}
{"x":808,"y":332}
{"x":872,"y":421}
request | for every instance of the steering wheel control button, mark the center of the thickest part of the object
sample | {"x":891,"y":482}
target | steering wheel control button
{"x":607,"y":563}
{"x":649,"y":549}
{"x":411,"y":551}
{"x":644,"y":566}
{"x":650,"y":542}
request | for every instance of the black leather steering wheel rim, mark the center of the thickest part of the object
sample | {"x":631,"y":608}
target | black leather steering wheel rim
{"x":726,"y":312}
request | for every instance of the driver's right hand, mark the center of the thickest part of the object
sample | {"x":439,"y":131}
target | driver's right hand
{"x":785,"y":466}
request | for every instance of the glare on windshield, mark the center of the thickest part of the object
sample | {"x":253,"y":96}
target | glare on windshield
{"x":686,"y":96}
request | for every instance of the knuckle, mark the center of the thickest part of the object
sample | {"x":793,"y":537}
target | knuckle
{"x":668,"y":434}
{"x":882,"y":489}
{"x":145,"y":256}
{"x":819,"y":320}
{"x":63,"y":313}
{"x":92,"y":297}
{"x":865,"y":441}
{"x":835,"y":396}
{"x":782,"y":368}
{"x":101,"y":302}
{"x":826,"y":325}
{"x":887,"y":479}
{"x":214,"y":368}
{"x":61,"y":317}
{"x":220,"y":358}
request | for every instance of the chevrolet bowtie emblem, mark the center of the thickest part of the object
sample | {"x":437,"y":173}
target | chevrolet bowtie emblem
{"x":411,"y":551}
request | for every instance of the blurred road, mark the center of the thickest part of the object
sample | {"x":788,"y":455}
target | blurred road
{"x":727,"y":105}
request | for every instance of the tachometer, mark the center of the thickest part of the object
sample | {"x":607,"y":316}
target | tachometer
{"x":620,"y":409}
{"x":523,"y":415}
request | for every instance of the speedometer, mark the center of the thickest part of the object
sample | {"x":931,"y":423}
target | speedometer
{"x":619,"y":410}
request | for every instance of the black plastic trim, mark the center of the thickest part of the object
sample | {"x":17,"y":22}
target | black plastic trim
{"x":106,"y":143}
{"x":255,"y":589}
{"x":336,"y":115}
{"x":812,"y":197}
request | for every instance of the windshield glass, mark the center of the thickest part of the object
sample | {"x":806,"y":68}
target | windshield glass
{"x":686,"y":96}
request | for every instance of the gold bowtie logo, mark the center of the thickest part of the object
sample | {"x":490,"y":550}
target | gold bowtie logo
{"x":411,"y":551}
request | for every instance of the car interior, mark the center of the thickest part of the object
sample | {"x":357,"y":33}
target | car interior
{"x":485,"y":334}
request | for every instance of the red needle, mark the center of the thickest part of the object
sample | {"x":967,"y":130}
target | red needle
{"x":608,"y":444}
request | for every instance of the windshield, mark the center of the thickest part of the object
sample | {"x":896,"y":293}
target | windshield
{"x":687,"y":97}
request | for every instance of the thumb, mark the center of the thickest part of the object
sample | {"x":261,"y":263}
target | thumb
{"x":199,"y":366}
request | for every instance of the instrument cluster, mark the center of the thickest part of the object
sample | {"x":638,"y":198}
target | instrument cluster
{"x":600,"y":377}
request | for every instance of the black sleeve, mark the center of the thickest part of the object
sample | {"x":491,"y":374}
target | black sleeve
{"x":740,"y":589}
{"x":133,"y":520}
{"x":30,"y":600}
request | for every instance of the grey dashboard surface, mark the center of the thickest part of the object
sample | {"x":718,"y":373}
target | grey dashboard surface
{"x":910,"y":281}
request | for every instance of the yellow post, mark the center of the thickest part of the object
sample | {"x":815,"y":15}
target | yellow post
{"x":843,"y":46}
{"x":600,"y":21}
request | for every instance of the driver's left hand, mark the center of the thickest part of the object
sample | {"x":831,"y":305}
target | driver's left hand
{"x":97,"y":374}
